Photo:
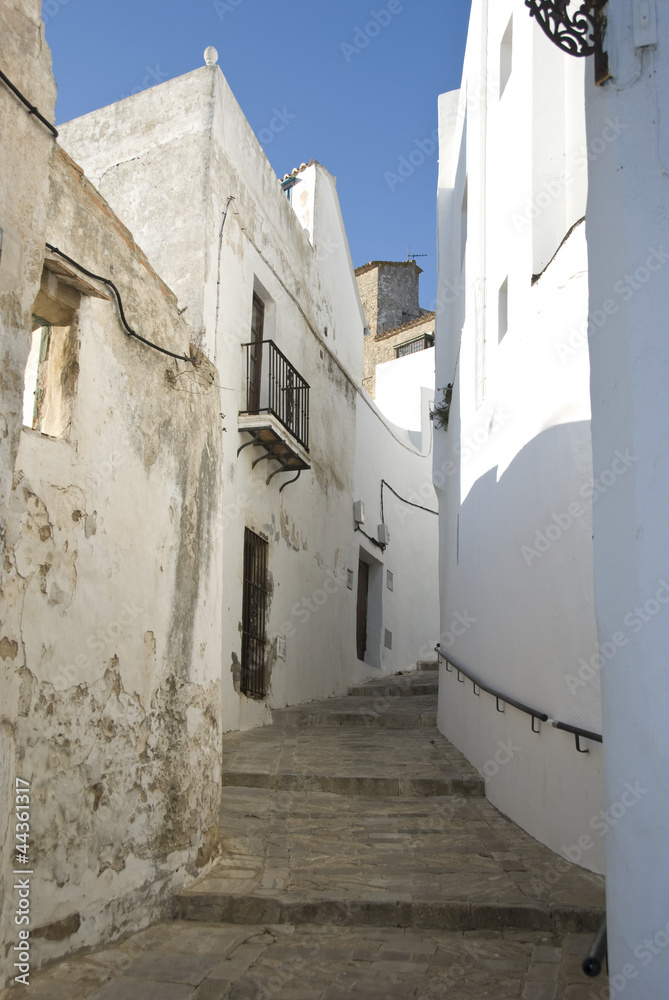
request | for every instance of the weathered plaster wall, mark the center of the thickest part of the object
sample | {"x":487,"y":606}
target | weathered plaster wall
{"x":121,"y":596}
{"x":25,"y":150}
{"x":109,"y":605}
{"x":296,"y":258}
{"x":514,"y":469}
{"x":127,"y":150}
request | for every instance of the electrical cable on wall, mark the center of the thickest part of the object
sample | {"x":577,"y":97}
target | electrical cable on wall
{"x":404,"y":500}
{"x":110,"y":284}
{"x":31,"y":107}
{"x":373,"y":540}
{"x":218,"y":273}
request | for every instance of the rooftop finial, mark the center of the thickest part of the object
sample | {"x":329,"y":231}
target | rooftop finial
{"x":210,"y":56}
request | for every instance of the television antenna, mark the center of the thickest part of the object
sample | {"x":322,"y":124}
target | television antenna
{"x":412,"y":256}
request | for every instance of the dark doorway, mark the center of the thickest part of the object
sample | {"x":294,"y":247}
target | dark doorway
{"x":254,"y":607}
{"x":361,"y":620}
{"x":255,"y":356}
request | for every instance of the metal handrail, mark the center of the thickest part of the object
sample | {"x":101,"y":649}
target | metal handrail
{"x":533,"y":712}
{"x":490,"y":690}
{"x":578,"y":733}
{"x":592,"y":963}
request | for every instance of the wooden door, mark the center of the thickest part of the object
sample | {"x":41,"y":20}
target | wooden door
{"x":255,"y":353}
{"x":361,"y":620}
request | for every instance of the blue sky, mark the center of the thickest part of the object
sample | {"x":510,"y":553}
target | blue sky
{"x":351,"y":83}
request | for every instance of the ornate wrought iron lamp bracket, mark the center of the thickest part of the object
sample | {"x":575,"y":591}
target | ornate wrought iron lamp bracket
{"x":577,"y":29}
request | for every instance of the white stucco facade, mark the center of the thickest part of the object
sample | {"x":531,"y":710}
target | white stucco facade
{"x":399,"y":387}
{"x":125,"y":510}
{"x":628,"y":251}
{"x":295,"y":256}
{"x":513,"y":470}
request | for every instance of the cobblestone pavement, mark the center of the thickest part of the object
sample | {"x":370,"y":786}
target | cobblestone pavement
{"x":359,"y":858}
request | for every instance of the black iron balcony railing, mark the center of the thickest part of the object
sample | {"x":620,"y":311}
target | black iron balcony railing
{"x":274,"y":386}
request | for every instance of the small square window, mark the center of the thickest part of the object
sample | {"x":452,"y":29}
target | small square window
{"x":52,"y":369}
{"x":413,"y":346}
{"x":287,"y":185}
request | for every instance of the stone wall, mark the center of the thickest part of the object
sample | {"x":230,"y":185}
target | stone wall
{"x":389,"y":293}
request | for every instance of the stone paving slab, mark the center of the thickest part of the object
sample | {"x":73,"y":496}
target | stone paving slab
{"x":185,"y":961}
{"x":445,"y":861}
{"x":349,"y":761}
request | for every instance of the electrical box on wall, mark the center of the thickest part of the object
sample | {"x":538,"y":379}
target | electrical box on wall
{"x":384,"y":534}
{"x":359,"y":512}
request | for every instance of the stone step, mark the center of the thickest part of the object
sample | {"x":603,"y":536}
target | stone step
{"x":451,"y":915}
{"x":355,"y":784}
{"x":445,"y":862}
{"x":395,"y":713}
{"x":428,"y":665}
{"x":348,"y":761}
{"x":179,"y":960}
{"x":398,"y":685}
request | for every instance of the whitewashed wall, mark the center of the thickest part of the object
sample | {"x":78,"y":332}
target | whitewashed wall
{"x":210,"y":210}
{"x":628,"y":250}
{"x":410,"y":610}
{"x":514,"y":471}
{"x":399,"y":385}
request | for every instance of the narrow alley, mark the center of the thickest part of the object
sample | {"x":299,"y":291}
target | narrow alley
{"x":359,"y":857}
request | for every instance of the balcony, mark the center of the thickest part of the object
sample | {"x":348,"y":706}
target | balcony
{"x":277,"y":409}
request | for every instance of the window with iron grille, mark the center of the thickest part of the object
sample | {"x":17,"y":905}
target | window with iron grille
{"x":413,"y":346}
{"x":254,"y":609}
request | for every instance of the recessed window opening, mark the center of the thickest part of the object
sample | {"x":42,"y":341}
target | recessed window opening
{"x":52,"y":368}
{"x":39,"y":349}
{"x":463,"y":226}
{"x":413,"y":346}
{"x":505,"y":56}
{"x":288,"y":183}
{"x":503,"y":309}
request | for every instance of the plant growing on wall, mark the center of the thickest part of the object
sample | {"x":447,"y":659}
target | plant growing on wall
{"x":441,"y":407}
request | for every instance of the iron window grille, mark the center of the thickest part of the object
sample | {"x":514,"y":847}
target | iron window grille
{"x":413,"y":346}
{"x":254,"y":611}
